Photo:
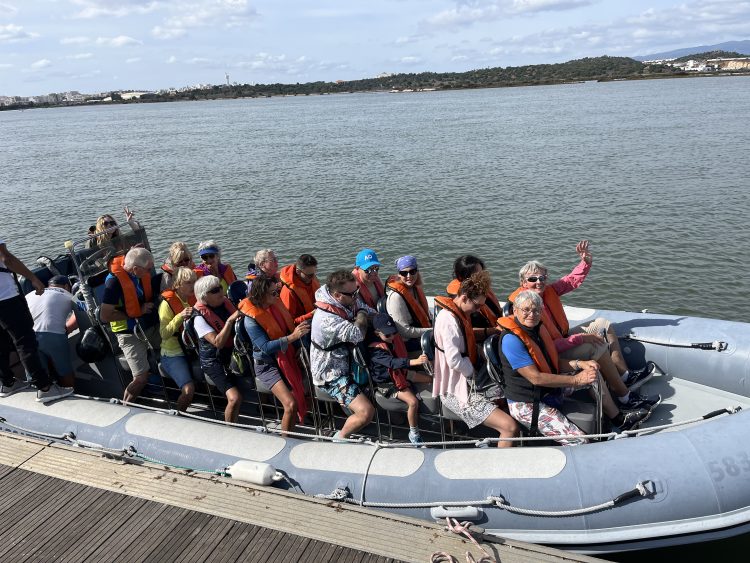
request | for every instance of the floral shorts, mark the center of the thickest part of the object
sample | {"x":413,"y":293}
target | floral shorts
{"x":474,"y":412}
{"x":343,"y":389}
{"x":551,"y":422}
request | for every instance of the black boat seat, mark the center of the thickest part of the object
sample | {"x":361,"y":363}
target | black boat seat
{"x":237,"y":291}
{"x":427,"y":403}
{"x":381,"y":305}
{"x":508,"y":309}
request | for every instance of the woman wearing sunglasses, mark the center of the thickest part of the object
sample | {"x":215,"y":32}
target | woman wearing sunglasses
{"x":210,"y":254}
{"x":366,"y":268}
{"x":179,"y":257}
{"x":485,"y":319}
{"x":272,"y":332}
{"x":214,"y":326}
{"x":407,"y":304}
{"x":596,"y":340}
{"x":111,"y":237}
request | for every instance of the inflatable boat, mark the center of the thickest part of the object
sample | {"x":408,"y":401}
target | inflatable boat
{"x":683,"y":477}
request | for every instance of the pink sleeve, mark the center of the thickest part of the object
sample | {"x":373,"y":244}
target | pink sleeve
{"x":568,"y":283}
{"x":563,"y":344}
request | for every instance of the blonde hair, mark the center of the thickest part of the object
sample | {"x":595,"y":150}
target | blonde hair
{"x":178,"y":251}
{"x":181,"y":276}
{"x":105,"y":237}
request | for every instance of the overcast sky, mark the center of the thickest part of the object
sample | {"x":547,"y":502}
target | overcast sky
{"x":100,"y":45}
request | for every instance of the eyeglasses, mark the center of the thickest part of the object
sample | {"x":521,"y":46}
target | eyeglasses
{"x":208,"y":257}
{"x":372,"y":270}
{"x":214,"y":290}
{"x":109,"y":223}
{"x":534,"y":279}
{"x":275,"y":293}
{"x":407,"y":273}
{"x":527,"y":311}
{"x":305,"y":276}
{"x":477,"y":305}
{"x":351,"y":294}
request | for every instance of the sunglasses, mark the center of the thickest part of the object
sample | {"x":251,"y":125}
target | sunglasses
{"x":350,"y":293}
{"x":305,"y":276}
{"x":185,"y":260}
{"x":407,"y":273}
{"x":275,"y":293}
{"x":372,"y":270}
{"x":215,"y":290}
{"x":534,"y":279}
{"x":208,"y":257}
{"x":109,"y":223}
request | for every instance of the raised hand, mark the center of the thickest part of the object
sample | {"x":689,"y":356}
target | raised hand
{"x":582,"y":248}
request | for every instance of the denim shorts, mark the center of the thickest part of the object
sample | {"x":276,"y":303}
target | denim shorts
{"x":269,"y":374}
{"x":343,"y":389}
{"x":178,"y":369}
{"x":54,"y":348}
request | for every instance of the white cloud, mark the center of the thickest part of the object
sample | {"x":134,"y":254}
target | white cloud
{"x":133,"y":60}
{"x":8,"y":10}
{"x":469,"y":12}
{"x":6,"y":65}
{"x":80,"y":56}
{"x":117,"y":8}
{"x":12,"y":33}
{"x":119,"y":41}
{"x":205,"y":13}
{"x":172,"y":60}
{"x":410,"y":60}
{"x":40,"y":64}
{"x":79,"y":40}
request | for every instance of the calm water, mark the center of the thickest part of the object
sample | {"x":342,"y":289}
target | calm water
{"x":655,"y":174}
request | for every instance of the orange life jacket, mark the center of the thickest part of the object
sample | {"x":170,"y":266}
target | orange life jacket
{"x":167,"y":268}
{"x":364,"y":292}
{"x":464,"y":322}
{"x":485,"y":310}
{"x":214,"y":320}
{"x":228,"y":275}
{"x":175,"y":303}
{"x":510,"y":324}
{"x":286,"y":361}
{"x":399,"y":350}
{"x":295,"y":287}
{"x":129,"y":291}
{"x":553,"y":315}
{"x":417,"y":306}
{"x":267,"y":321}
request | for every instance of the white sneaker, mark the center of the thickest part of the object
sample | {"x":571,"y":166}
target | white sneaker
{"x":8,"y":390}
{"x":53,"y":393}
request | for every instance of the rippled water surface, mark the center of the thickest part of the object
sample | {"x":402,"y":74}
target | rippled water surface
{"x":654,"y":173}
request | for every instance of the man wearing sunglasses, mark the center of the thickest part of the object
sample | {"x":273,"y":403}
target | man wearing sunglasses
{"x":340,"y":322}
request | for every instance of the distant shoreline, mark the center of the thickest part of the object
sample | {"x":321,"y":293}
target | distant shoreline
{"x":190,"y":95}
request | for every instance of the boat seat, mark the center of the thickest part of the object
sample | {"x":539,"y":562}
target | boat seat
{"x":508,"y":309}
{"x":237,"y":291}
{"x":427,"y":403}
{"x":381,"y":305}
{"x":494,"y":365}
{"x":581,"y":411}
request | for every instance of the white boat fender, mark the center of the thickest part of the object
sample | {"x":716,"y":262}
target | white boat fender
{"x":254,"y":472}
{"x":463,"y":512}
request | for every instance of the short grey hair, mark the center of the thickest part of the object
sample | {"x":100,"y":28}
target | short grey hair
{"x":204,"y":285}
{"x":529,"y":268}
{"x":138,"y":257}
{"x":204,"y":244}
{"x":263,"y":256}
{"x":528,"y":296}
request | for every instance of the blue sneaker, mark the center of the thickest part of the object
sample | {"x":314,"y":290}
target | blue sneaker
{"x":415,"y":437}
{"x":637,"y":377}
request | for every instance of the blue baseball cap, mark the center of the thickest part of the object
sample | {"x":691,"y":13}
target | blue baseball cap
{"x":366,"y":258}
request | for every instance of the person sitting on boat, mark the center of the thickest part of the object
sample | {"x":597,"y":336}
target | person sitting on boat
{"x":366,"y":268}
{"x":179,"y":256}
{"x":456,"y":363}
{"x":273,"y":333}
{"x":485,"y":320}
{"x":54,"y":318}
{"x":534,"y":375}
{"x":299,"y":286}
{"x":388,"y":363}
{"x":129,"y":300}
{"x":112,"y":237}
{"x":406,"y":302}
{"x":584,"y":341}
{"x":174,"y":309}
{"x":210,"y":254}
{"x":17,"y":331}
{"x":340,"y":322}
{"x":266,"y":263}
{"x":214,"y":326}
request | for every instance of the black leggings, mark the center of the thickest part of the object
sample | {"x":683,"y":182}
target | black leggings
{"x":17,"y":330}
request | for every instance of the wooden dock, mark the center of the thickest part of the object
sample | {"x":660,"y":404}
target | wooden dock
{"x":68,"y":505}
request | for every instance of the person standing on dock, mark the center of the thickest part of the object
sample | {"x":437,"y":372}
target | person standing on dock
{"x":17,"y":329}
